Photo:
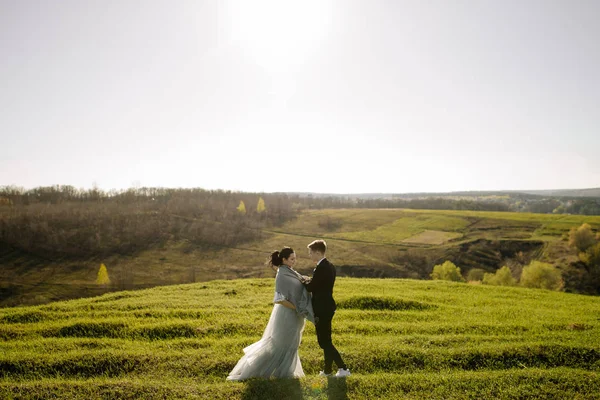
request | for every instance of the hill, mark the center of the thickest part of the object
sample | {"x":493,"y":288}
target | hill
{"x":401,"y":338}
{"x":393,"y":243}
{"x":591,"y":192}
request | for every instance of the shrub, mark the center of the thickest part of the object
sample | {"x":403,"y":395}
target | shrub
{"x":541,"y":275}
{"x":475,"y":274}
{"x":582,"y":238}
{"x":447,"y":272}
{"x":591,"y":258}
{"x":502,"y":277}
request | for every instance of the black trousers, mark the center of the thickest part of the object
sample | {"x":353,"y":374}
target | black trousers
{"x":323,"y":328}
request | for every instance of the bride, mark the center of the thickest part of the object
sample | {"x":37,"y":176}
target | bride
{"x":276,"y":353}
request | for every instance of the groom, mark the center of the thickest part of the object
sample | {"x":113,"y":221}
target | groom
{"x":321,"y":286}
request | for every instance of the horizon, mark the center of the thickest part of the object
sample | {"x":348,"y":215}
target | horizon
{"x":319,"y":96}
{"x":303,"y":192}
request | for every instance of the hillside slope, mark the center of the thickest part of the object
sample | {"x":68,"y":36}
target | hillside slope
{"x":401,"y":338}
{"x":363,"y":243}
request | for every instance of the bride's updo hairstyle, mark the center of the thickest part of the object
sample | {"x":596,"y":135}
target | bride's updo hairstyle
{"x":277,"y":257}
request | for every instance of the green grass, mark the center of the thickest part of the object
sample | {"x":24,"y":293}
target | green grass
{"x":401,"y":338}
{"x":384,"y":226}
{"x":547,"y":224}
{"x":406,"y":226}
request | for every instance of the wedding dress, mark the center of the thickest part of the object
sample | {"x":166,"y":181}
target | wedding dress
{"x":275,"y":355}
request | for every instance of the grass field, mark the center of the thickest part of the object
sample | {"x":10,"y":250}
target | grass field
{"x":363,"y":242}
{"x":401,"y":338}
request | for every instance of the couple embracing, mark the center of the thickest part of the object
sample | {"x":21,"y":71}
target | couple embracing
{"x":276,"y":353}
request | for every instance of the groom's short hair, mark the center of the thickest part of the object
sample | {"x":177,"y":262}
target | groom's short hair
{"x":318,"y":245}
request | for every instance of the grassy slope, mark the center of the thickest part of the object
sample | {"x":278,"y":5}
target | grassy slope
{"x":447,"y":340}
{"x":356,"y":237}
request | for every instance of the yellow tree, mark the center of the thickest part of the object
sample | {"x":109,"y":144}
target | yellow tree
{"x":102,"y":278}
{"x":242,"y":207}
{"x":261,"y":205}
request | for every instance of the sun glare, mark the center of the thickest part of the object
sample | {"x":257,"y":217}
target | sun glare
{"x":278,"y":34}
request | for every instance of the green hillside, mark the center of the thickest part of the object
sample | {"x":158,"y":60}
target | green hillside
{"x":363,"y":243}
{"x":401,"y":338}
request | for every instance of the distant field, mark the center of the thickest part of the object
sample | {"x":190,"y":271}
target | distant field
{"x":546,"y":224}
{"x":432,"y":237}
{"x":420,"y":339}
{"x":406,"y":226}
{"x":362,"y":242}
{"x":393,"y":226}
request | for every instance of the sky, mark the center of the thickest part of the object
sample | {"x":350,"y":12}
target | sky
{"x":306,"y":96}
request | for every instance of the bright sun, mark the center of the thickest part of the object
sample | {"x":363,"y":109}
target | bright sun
{"x":279,"y":34}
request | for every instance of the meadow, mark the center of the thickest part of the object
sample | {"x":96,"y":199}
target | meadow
{"x":401,"y":338}
{"x":396,"y":243}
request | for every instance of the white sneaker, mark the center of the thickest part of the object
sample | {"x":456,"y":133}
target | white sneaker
{"x":322,"y":373}
{"x":342,"y":373}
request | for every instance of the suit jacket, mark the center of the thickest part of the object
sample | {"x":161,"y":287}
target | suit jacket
{"x":321,"y":287}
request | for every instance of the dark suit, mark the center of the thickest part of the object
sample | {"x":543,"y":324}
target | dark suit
{"x":324,"y":307}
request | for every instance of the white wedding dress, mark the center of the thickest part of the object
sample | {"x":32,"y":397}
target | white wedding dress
{"x":275,"y":355}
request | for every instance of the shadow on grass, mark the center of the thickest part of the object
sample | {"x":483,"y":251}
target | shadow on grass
{"x":337,"y":389}
{"x":291,"y":389}
{"x":272,"y":389}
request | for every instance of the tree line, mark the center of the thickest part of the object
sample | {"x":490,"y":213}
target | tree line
{"x":63,"y":221}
